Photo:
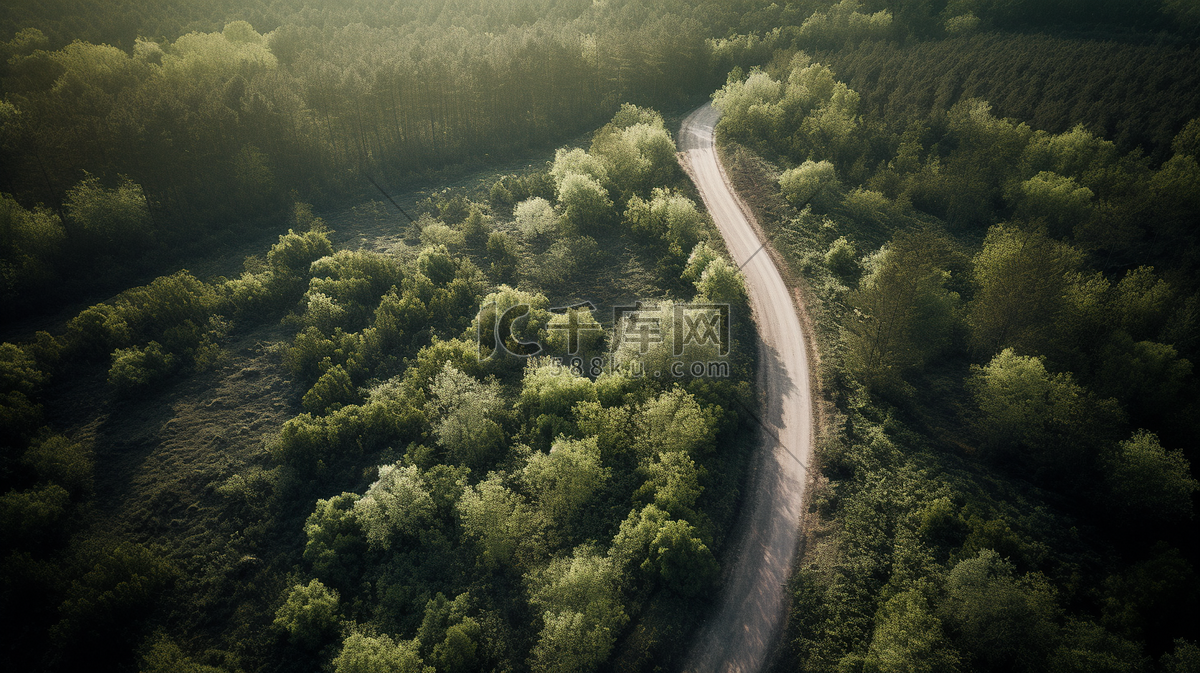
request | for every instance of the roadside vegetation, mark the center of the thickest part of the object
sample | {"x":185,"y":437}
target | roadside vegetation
{"x":1006,"y":323}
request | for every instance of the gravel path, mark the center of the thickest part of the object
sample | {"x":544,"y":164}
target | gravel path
{"x":748,"y":621}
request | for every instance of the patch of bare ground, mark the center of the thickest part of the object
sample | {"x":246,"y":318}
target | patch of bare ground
{"x":175,"y":469}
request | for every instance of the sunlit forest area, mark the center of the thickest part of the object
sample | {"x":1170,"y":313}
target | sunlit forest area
{"x":247,"y":251}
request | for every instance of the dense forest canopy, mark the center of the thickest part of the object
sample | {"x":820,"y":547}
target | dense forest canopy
{"x":320,"y":462}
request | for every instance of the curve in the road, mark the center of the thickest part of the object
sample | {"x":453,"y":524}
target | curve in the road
{"x":749,"y":617}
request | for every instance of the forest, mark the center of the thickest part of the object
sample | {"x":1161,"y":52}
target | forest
{"x":259,"y":403}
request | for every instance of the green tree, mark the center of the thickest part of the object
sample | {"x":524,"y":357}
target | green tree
{"x":1055,"y":199}
{"x":436,"y":264}
{"x":309,"y":615}
{"x":566,"y":478}
{"x":1150,"y":481}
{"x":674,"y":421}
{"x":581,"y":611}
{"x":908,"y":637}
{"x":1005,"y":622}
{"x":585,"y":205}
{"x":672,"y":483}
{"x":504,"y":258}
{"x":535,"y":219}
{"x":1027,"y":412}
{"x":115,"y":219}
{"x":904,"y":313}
{"x":1022,"y":284}
{"x":842,"y":260}
{"x":460,"y":409}
{"x":397,"y":505}
{"x":682,"y":560}
{"x":506,"y":528}
{"x":335,"y":540}
{"x":331,"y":392}
{"x":813,"y":182}
{"x":379,"y":654}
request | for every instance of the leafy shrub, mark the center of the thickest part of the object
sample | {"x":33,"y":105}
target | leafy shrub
{"x":309,"y":615}
{"x":121,"y":587}
{"x":138,"y":368}
{"x":34,"y":514}
{"x":378,"y":654}
{"x":61,"y":461}
{"x":331,"y":392}
{"x":20,"y":381}
{"x":812,"y":181}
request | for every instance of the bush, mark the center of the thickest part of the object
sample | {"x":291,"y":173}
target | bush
{"x":138,"y":368}
{"x":34,"y":514}
{"x":309,"y":615}
{"x":813,"y":182}
{"x":58,"y":460}
{"x":331,"y":392}
{"x":20,"y":381}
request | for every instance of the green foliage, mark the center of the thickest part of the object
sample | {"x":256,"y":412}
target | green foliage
{"x":309,"y":615}
{"x":684,"y":563}
{"x":585,"y":205}
{"x":20,"y":381}
{"x":566,"y":478}
{"x":163,"y":655}
{"x":331,"y":392}
{"x":1056,"y":199}
{"x":461,"y":411}
{"x":674,"y":422}
{"x":548,"y":396}
{"x":536,"y":219}
{"x":503,"y":255}
{"x":1089,"y":647}
{"x":810,"y":181}
{"x":379,"y":654}
{"x":672,"y":483}
{"x":396,"y":507}
{"x":842,"y":24}
{"x":61,"y":461}
{"x":1185,"y":657}
{"x":842,"y":260}
{"x":671,"y":224}
{"x":31,"y":242}
{"x":453,"y":637}
{"x":1047,"y":418}
{"x":810,"y":116}
{"x":1150,"y":481}
{"x":580,"y":611}
{"x":34,"y":514}
{"x":436,"y":264}
{"x":636,"y":150}
{"x":138,"y":368}
{"x":909,"y":637}
{"x":111,"y":219}
{"x":121,"y":587}
{"x":502,"y":523}
{"x":1020,"y":300}
{"x":1002,"y":620}
{"x":335,"y":539}
{"x":904,"y":313}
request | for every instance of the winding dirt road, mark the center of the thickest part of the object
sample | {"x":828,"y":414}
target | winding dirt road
{"x":748,"y":620}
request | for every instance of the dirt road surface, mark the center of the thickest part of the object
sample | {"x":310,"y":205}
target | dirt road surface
{"x":748,"y":619}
